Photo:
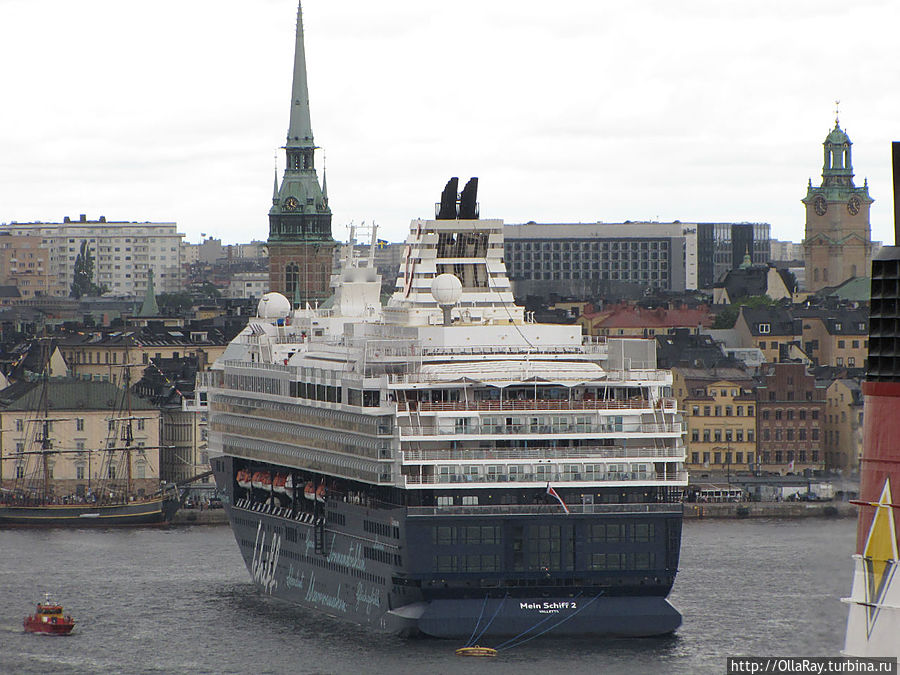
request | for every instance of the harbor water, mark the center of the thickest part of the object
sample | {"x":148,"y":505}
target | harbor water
{"x":179,"y":600}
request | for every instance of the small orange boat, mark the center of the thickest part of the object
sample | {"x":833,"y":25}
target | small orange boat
{"x":49,"y":618}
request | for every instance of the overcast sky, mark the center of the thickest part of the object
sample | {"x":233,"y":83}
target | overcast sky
{"x":567,"y":111}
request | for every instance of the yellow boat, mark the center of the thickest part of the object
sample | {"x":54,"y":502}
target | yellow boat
{"x":476,"y":651}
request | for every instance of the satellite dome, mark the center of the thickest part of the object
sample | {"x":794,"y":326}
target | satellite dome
{"x":446,"y":289}
{"x":273,"y":306}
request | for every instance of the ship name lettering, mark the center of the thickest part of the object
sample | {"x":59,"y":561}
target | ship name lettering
{"x":265,"y":559}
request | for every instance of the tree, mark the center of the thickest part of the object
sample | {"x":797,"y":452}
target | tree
{"x":83,"y":281}
{"x":726,"y":317}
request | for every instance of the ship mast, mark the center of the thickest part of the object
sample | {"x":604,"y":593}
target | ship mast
{"x":44,"y":439}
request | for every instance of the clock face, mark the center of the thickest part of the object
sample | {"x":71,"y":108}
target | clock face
{"x":820,"y":205}
{"x":853,"y":205}
{"x":291,"y":203}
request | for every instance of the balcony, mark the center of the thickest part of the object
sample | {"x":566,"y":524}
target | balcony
{"x":583,"y":452}
{"x":411,"y":432}
{"x":664,"y":404}
{"x":558,"y":479}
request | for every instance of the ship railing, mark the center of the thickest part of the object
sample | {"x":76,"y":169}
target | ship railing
{"x":209,"y":378}
{"x":487,"y":350}
{"x":534,"y":509}
{"x":541,"y":429}
{"x":256,"y":365}
{"x":638,"y":375}
{"x":564,"y":479}
{"x":664,"y":404}
{"x":583,"y":452}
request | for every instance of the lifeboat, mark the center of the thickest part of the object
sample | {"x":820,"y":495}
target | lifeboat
{"x":278,"y":482}
{"x":309,"y":491}
{"x":262,"y":480}
{"x":320,"y":493}
{"x":244,"y":479}
{"x":289,"y":485}
{"x":476,"y":651}
{"x":49,"y":618}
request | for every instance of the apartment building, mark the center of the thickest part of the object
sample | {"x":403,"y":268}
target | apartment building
{"x":123,"y":253}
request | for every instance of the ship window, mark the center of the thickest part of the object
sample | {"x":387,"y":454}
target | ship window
{"x":644,"y":532}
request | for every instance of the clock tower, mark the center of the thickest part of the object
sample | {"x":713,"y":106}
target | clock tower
{"x":301,"y":248}
{"x":838,"y":242}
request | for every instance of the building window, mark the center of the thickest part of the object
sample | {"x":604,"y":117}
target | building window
{"x":79,"y":424}
{"x":764,"y":329}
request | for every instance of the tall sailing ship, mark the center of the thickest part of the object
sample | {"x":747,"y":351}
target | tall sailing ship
{"x":31,"y":497}
{"x":444,"y":464}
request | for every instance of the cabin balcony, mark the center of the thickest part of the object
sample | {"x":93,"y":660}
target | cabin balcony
{"x":559,"y":479}
{"x":581,"y":452}
{"x":668,"y":405}
{"x":539,"y":432}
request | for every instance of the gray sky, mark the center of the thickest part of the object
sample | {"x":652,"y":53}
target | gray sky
{"x":567,"y":111}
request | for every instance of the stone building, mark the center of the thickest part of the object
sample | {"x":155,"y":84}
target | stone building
{"x":790,"y":419}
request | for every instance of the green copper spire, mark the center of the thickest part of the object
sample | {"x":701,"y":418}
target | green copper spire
{"x":149,"y":308}
{"x":299,"y":212}
{"x":300,"y":129}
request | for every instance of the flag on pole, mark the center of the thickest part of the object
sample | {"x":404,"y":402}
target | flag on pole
{"x":791,"y":466}
{"x":552,"y":493}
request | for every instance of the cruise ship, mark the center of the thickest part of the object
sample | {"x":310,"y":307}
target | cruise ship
{"x":443,"y":464}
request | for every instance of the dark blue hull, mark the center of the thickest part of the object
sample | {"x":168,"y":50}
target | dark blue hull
{"x":389,"y":568}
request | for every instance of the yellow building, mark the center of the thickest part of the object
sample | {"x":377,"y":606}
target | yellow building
{"x":843,"y":426}
{"x":101,"y":355}
{"x":86,"y":422}
{"x":720,"y":418}
{"x":837,"y":338}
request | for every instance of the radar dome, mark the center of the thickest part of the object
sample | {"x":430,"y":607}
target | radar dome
{"x":446,"y":289}
{"x":273,"y":306}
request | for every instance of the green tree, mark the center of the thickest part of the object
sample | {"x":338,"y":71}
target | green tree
{"x":726,"y":317}
{"x":83,"y":281}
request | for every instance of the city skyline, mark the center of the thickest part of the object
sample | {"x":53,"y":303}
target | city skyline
{"x":645,"y":112}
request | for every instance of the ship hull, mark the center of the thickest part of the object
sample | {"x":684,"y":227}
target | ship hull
{"x":343,"y":580}
{"x":133,"y":514}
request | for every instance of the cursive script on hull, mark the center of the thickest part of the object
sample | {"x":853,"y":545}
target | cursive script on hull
{"x":265,"y":559}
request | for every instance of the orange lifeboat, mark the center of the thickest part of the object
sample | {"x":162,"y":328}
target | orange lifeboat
{"x":49,"y":618}
{"x":278,"y":482}
{"x":244,"y":479}
{"x":320,"y":493}
{"x":309,"y":491}
{"x":262,"y":480}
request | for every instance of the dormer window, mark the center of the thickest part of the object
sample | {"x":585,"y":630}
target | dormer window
{"x":837,"y":326}
{"x":764,"y":328}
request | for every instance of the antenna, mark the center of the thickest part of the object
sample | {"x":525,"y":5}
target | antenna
{"x":895,"y":163}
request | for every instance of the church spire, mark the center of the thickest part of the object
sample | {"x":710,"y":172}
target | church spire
{"x":300,"y":128}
